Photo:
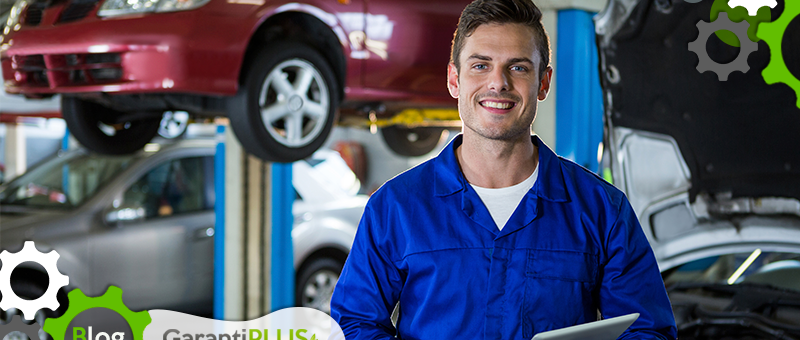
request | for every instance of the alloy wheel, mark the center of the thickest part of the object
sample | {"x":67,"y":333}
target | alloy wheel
{"x":294,"y":103}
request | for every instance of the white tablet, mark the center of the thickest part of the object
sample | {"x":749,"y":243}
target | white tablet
{"x":608,"y":329}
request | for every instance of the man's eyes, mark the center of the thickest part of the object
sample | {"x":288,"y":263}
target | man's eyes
{"x":515,"y":68}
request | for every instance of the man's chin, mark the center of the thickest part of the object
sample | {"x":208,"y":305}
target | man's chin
{"x":502,"y":134}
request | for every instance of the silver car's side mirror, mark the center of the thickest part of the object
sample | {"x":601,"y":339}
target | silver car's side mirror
{"x":124,"y":214}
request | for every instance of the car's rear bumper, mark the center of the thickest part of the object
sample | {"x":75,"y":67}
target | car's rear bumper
{"x":184,"y":52}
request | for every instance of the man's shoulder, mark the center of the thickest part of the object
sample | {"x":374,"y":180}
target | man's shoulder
{"x":585,"y":182}
{"x":412,"y":182}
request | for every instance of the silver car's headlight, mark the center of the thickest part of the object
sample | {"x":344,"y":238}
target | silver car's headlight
{"x":124,"y":7}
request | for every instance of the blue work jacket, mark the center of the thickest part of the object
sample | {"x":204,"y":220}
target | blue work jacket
{"x":572,"y":247}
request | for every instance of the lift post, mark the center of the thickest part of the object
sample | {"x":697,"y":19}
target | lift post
{"x":253,"y":262}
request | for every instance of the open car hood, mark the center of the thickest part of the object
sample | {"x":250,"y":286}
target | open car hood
{"x":740,"y":137}
{"x":709,"y":166}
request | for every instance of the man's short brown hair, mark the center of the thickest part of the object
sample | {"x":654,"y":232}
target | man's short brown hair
{"x":481,"y":12}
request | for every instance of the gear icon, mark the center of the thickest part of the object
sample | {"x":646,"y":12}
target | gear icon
{"x":752,"y":6}
{"x":46,"y":260}
{"x":16,"y":325}
{"x":772,"y":33}
{"x":723,"y":23}
{"x":111,"y":299}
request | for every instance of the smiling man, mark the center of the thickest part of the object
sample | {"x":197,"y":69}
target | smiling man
{"x":498,"y":237}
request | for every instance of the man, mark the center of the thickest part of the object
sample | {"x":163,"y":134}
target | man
{"x":497,"y":237}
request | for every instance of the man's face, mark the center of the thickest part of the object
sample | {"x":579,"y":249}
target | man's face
{"x":498,"y":86}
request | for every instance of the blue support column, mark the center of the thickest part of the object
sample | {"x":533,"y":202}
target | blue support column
{"x":65,"y":140}
{"x":282,"y":268}
{"x":65,"y":168}
{"x":219,"y":225}
{"x":579,"y":104}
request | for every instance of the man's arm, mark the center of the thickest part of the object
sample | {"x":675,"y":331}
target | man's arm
{"x":632,"y":283}
{"x":369,"y":286}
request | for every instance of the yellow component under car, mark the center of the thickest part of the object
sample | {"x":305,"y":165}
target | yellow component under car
{"x":420,"y":117}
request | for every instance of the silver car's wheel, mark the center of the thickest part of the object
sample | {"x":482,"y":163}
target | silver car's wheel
{"x":316,"y":282}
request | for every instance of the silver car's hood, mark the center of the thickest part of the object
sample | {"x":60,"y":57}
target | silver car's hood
{"x":14,"y":218}
{"x":738,"y":137}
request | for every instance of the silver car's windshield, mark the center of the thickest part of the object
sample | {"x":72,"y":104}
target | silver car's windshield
{"x":64,"y":182}
{"x":773,"y":268}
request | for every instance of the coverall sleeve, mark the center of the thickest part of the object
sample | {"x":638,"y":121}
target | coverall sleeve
{"x":631,"y":281}
{"x":369,"y":285}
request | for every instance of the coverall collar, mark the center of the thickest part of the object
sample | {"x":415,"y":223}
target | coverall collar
{"x":549,"y":185}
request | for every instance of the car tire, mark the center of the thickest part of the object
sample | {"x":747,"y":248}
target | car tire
{"x":91,"y":124}
{"x":315,"y":283}
{"x":285,"y":108}
{"x":173,"y":124}
{"x":411,"y":142}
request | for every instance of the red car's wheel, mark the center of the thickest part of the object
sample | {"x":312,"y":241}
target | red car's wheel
{"x":174,"y":124}
{"x":411,"y":142}
{"x":285,"y":108}
{"x":98,"y":128}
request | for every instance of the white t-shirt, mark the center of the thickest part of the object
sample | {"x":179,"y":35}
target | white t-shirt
{"x":502,"y":202}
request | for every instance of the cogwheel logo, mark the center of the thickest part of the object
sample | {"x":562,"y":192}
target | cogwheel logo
{"x":772,"y":33}
{"x":48,"y":261}
{"x":722,"y":23}
{"x":738,"y":13}
{"x":16,"y":325}
{"x":752,"y":6}
{"x":98,"y":318}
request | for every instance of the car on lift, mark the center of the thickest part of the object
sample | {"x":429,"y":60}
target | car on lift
{"x":145,"y":222}
{"x":281,"y":71}
{"x":709,"y":159}
{"x":11,"y":105}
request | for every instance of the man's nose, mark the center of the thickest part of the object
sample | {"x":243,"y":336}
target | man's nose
{"x":498,"y":80}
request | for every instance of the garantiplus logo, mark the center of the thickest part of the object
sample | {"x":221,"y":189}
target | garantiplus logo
{"x":296,"y":323}
{"x":106,"y":317}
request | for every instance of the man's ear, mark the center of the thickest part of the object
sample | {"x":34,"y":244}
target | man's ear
{"x":452,"y":80}
{"x":544,"y":86}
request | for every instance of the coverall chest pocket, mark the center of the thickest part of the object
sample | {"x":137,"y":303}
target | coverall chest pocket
{"x":559,"y":289}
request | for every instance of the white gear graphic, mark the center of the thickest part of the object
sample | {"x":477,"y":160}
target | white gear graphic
{"x":752,"y":5}
{"x":46,"y":260}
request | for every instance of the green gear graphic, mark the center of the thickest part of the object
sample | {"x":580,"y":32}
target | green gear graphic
{"x":111,"y":299}
{"x":772,"y":34}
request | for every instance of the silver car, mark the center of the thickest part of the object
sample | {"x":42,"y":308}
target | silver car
{"x":145,"y":222}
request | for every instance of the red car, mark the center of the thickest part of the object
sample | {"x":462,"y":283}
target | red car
{"x":280,"y":71}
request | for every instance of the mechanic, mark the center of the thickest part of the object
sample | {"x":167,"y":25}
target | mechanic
{"x":498,"y":237}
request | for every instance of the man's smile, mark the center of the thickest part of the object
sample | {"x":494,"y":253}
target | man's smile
{"x":497,"y":104}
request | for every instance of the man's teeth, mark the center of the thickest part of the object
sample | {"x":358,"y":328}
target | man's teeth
{"x":497,"y":105}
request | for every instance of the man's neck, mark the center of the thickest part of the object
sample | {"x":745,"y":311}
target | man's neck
{"x":494,"y":163}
